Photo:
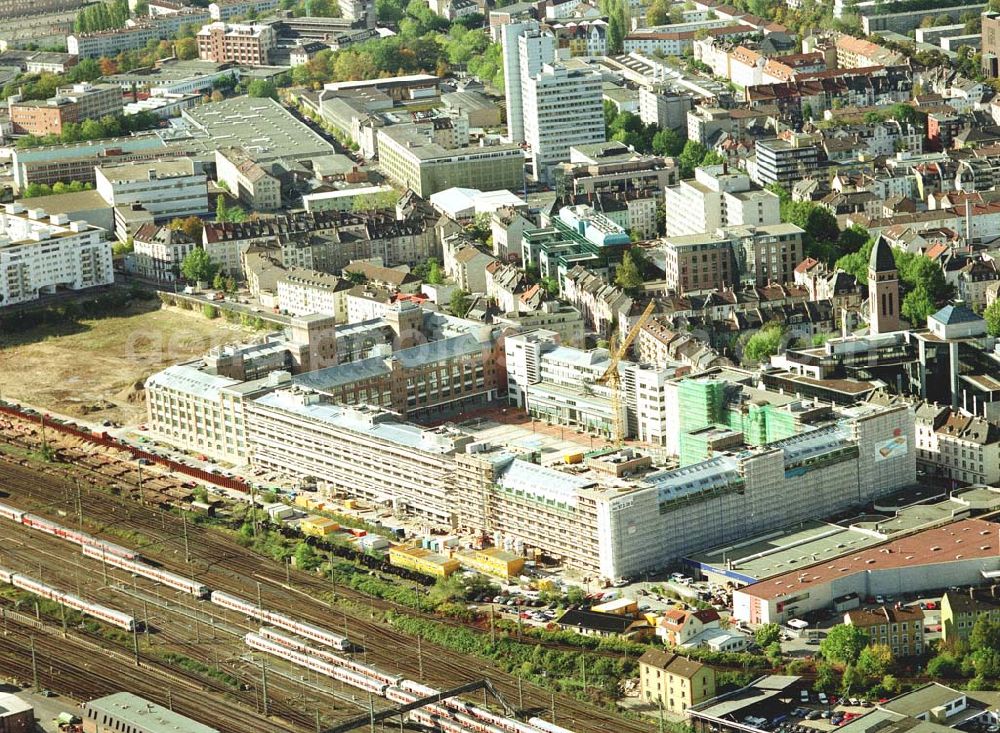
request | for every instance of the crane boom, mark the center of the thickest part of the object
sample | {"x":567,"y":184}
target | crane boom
{"x":612,"y":377}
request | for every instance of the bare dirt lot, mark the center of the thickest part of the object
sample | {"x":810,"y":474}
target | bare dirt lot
{"x":95,"y":368}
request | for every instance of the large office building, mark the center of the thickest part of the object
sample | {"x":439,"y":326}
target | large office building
{"x":785,"y":161}
{"x":410,"y":156}
{"x":361,"y":451}
{"x":717,"y":198}
{"x":549,"y":107}
{"x":617,"y":527}
{"x":526,"y":48}
{"x":70,"y":104}
{"x":562,"y":107}
{"x":41,"y":253}
{"x":165,"y":188}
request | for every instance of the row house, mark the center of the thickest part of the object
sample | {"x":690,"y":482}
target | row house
{"x":601,"y":304}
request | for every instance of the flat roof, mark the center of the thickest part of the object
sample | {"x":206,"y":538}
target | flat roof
{"x":12,"y":705}
{"x":145,"y":716}
{"x":373,"y":421}
{"x":261,"y":126}
{"x":923,"y":699}
{"x":139,"y":171}
{"x":67,"y":203}
{"x":775,"y":553}
{"x":969,"y":539}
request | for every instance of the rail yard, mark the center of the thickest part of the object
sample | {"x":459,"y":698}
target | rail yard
{"x":99,"y":493}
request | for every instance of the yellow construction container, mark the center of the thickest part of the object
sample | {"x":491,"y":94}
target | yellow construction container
{"x":303,"y":500}
{"x":350,"y":504}
{"x":493,"y":561}
{"x":318,"y":526}
{"x":572,"y":458}
{"x":618,"y":607}
{"x":422,"y":561}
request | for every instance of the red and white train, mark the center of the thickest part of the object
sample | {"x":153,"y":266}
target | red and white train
{"x":547,"y":727}
{"x":460,"y":706}
{"x":72,"y":535}
{"x":136,"y":567}
{"x":459,"y":723}
{"x":103,"y":613}
{"x":256,"y":641}
{"x":314,"y":633}
{"x":10,"y":512}
{"x":301,"y":646}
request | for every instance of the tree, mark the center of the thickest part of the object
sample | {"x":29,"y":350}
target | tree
{"x":434,"y":276}
{"x":460,"y":303}
{"x":691,"y":156}
{"x":305,"y":557}
{"x":917,"y":305}
{"x":191,"y":226}
{"x":944,"y":664}
{"x":985,"y":634}
{"x":827,"y":678}
{"x":821,"y":230}
{"x":198,"y":266}
{"x":187,"y":49}
{"x":992,"y":316}
{"x":219,"y":281}
{"x":627,"y":275}
{"x":763,"y":344}
{"x":875,"y":661}
{"x":262,"y":88}
{"x":667,"y":142}
{"x":844,"y":643}
{"x":767,"y":635}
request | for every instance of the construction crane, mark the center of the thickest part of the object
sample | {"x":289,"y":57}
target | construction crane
{"x":613,"y":379}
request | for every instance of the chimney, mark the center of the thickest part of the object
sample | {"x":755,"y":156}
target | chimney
{"x":972,"y":593}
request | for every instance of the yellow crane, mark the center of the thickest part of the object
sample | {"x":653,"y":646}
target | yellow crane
{"x":613,"y":379}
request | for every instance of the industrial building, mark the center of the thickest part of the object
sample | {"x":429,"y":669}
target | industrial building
{"x":16,"y":715}
{"x":962,"y":553}
{"x":124,"y":712}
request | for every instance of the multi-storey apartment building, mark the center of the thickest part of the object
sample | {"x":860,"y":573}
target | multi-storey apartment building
{"x":960,"y":609}
{"x":247,"y":179}
{"x":249,"y":44}
{"x":160,"y":250}
{"x":900,"y":629}
{"x":40,"y":253}
{"x":301,"y":292}
{"x":672,"y":682}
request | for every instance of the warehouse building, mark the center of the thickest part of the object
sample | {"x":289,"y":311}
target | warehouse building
{"x":16,"y":716}
{"x":957,"y":554}
{"x":124,"y":712}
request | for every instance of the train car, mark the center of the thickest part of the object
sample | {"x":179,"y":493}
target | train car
{"x":136,"y":567}
{"x":547,"y":727}
{"x":314,"y":633}
{"x":402,"y":697}
{"x":5,"y":575}
{"x":502,"y":722}
{"x":418,"y":689}
{"x":255,"y":641}
{"x":105,"y":614}
{"x":458,"y":724}
{"x":301,"y":646}
{"x":11,"y":513}
{"x":235,"y":603}
{"x":72,"y":535}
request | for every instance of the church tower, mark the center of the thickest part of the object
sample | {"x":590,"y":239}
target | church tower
{"x":883,"y":290}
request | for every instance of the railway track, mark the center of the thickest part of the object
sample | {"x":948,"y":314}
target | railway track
{"x":223,"y":565}
{"x":63,"y":566}
{"x":77,"y":669}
